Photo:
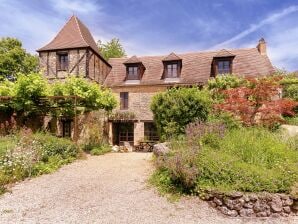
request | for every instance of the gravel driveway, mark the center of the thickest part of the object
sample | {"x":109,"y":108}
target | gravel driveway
{"x":105,"y":189}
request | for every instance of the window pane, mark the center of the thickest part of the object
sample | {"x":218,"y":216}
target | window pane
{"x":223,"y":67}
{"x":172,"y":71}
{"x":63,"y":62}
{"x":123,"y":100}
{"x":133,"y":73}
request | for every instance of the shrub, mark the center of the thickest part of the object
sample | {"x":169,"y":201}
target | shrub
{"x":244,"y":159}
{"x":290,"y":86}
{"x":33,"y":154}
{"x":180,"y":165}
{"x":251,"y":160}
{"x":177,"y":107}
{"x":100,"y":150}
{"x":256,"y":105}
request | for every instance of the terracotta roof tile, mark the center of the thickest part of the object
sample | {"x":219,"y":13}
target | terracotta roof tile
{"x":171,"y":57}
{"x":224,"y":53}
{"x":132,"y":60}
{"x":196,"y":67}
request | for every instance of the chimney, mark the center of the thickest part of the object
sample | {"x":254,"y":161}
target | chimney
{"x":262,"y":47}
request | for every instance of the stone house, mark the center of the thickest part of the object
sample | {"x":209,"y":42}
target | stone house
{"x":135,"y":80}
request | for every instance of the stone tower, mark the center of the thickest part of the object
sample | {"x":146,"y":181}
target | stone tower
{"x":73,"y":52}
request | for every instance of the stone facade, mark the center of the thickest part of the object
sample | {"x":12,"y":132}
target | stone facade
{"x":139,"y":99}
{"x":83,"y":62}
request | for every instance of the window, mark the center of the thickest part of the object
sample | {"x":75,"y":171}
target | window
{"x":62,"y":64}
{"x":172,"y":70}
{"x":123,"y":100}
{"x":132,"y":73}
{"x":150,"y":131}
{"x":223,"y":67}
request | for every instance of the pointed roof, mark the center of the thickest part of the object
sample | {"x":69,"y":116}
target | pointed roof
{"x":133,"y":60}
{"x":224,"y":53}
{"x":74,"y":34}
{"x":171,"y":57}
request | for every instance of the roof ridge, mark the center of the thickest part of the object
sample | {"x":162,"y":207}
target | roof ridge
{"x":76,"y":19}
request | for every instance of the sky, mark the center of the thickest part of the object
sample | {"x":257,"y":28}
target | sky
{"x":154,"y":27}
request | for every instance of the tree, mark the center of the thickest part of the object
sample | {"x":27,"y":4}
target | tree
{"x":111,"y":49}
{"x":255,"y":103}
{"x":177,"y":107}
{"x":14,"y":59}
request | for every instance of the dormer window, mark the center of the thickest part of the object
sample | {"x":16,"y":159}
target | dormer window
{"x":172,"y":67}
{"x":222,"y":63}
{"x":134,"y":70}
{"x":133,"y":73}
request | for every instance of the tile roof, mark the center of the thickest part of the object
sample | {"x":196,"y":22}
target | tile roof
{"x":224,"y":53}
{"x":171,"y":57}
{"x":196,"y":67}
{"x":133,"y":60}
{"x":74,"y":34}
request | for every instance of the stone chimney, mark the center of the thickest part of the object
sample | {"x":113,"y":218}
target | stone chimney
{"x":262,"y":47}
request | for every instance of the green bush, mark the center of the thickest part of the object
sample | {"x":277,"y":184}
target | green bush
{"x":251,"y":160}
{"x":290,"y":86}
{"x":177,"y":107}
{"x":100,"y":150}
{"x":223,"y":82}
{"x":244,"y":159}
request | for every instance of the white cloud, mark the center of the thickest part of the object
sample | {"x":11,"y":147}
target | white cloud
{"x":254,"y":27}
{"x":75,"y":6}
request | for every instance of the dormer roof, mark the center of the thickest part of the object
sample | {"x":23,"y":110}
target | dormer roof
{"x":224,"y":53}
{"x":171,"y":57}
{"x":133,"y":60}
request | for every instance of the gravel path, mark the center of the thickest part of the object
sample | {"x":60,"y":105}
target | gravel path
{"x":105,"y":189}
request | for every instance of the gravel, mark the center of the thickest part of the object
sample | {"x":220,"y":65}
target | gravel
{"x":106,"y":189}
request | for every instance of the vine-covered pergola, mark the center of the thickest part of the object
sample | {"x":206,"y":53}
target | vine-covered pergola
{"x":50,"y":104}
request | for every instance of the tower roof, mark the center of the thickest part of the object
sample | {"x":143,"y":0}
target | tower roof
{"x":74,"y":34}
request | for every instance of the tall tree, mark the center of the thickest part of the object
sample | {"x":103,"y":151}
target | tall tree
{"x":111,"y":49}
{"x":14,"y":59}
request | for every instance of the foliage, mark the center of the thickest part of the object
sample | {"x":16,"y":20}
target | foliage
{"x":14,"y":59}
{"x":92,"y":95}
{"x":225,"y":118}
{"x":290,"y":86}
{"x":223,"y":82}
{"x":177,"y":107}
{"x":33,"y":154}
{"x":243,"y":159}
{"x":111,"y":49}
{"x":180,"y":165}
{"x":100,"y":150}
{"x":29,"y":90}
{"x":251,"y":160}
{"x":255,"y":104}
{"x":122,"y":115}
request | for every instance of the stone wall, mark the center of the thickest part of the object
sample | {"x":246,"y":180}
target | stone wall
{"x":139,"y":99}
{"x":253,"y":205}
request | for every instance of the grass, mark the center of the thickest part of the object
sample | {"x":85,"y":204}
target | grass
{"x":100,"y":150}
{"x":245,"y":159}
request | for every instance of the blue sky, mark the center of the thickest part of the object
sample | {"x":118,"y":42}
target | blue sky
{"x":149,"y":27}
